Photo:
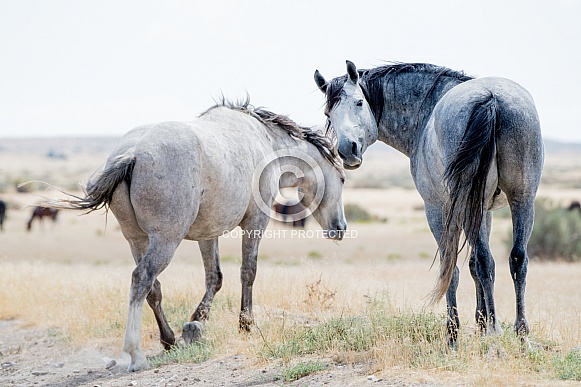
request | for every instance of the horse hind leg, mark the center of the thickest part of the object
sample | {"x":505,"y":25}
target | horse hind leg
{"x":155,"y":296}
{"x":522,"y":220}
{"x":155,"y":260}
{"x":482,"y":268}
{"x":193,"y":330}
{"x":139,"y":243}
{"x":481,"y":314}
{"x":453,"y":322}
{"x":434,"y":214}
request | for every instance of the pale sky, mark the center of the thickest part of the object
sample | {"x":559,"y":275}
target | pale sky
{"x":90,"y":68}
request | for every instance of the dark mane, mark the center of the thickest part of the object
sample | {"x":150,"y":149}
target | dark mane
{"x":373,"y":81}
{"x":322,"y":142}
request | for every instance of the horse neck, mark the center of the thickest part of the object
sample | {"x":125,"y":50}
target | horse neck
{"x":282,"y":141}
{"x":409,"y":99}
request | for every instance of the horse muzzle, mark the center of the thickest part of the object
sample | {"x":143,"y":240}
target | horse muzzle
{"x":350,"y":153}
{"x":336,"y":233}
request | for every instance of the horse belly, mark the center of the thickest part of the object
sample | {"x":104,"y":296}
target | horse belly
{"x":218,"y":215}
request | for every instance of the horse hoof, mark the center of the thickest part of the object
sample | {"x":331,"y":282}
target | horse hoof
{"x":452,"y":340}
{"x":452,"y":333}
{"x":139,"y":364}
{"x":245,"y":322}
{"x":192,"y":331}
{"x":521,"y":328}
{"x":494,"y":329}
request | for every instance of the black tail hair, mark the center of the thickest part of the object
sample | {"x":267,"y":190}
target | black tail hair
{"x":99,"y":191}
{"x":465,"y":177}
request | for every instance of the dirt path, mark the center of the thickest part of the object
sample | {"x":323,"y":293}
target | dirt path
{"x":36,"y":357}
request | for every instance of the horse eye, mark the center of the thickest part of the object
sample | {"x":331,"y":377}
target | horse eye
{"x":360,"y":102}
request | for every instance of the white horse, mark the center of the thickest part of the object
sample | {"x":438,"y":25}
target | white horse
{"x":474,"y":146}
{"x":175,"y":180}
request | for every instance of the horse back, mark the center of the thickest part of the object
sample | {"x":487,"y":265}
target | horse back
{"x":198,"y":174}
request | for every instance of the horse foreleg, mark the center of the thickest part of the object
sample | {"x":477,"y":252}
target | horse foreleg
{"x":193,"y":330}
{"x":250,"y":243}
{"x":522,"y":220}
{"x":247,"y":276}
{"x":29,"y":224}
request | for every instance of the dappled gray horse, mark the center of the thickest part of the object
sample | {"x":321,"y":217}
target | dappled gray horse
{"x":197,"y":180}
{"x":472,"y":144}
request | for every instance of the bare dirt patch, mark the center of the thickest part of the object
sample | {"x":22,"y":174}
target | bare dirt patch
{"x":33,"y":356}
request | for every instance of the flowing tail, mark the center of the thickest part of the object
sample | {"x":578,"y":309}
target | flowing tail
{"x":465,"y":177}
{"x":99,"y":191}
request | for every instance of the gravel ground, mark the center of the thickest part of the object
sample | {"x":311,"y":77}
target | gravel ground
{"x":33,"y":357}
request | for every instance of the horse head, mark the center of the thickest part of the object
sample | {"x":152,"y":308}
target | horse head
{"x":349,"y":114}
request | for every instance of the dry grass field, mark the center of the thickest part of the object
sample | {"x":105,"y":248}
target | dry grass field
{"x":336,"y":312}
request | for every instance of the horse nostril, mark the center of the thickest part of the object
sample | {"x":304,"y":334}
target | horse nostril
{"x":354,"y":150}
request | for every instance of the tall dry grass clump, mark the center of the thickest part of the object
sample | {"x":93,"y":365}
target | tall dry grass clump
{"x":86,"y":302}
{"x":300,"y":312}
{"x":389,"y":340}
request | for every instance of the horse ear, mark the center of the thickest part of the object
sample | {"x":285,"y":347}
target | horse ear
{"x":320,"y":81}
{"x":352,"y":71}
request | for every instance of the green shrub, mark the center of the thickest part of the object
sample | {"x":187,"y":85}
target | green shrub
{"x":314,"y":254}
{"x":569,"y":366}
{"x":345,"y":333}
{"x":420,"y":332}
{"x":196,"y":352}
{"x":301,"y":370}
{"x":356,"y":213}
{"x":556,"y":233}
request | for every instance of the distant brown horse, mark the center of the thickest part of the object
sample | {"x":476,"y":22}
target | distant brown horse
{"x":575,"y":205}
{"x":40,"y":213}
{"x":291,"y":213}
